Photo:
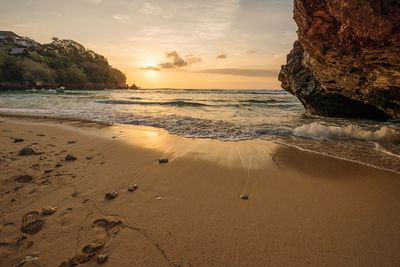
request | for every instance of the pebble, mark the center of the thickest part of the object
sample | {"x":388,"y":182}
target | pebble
{"x":70,"y":158}
{"x":30,"y":150}
{"x":24,"y":179}
{"x":48,"y":210}
{"x":27,"y":259}
{"x":101,"y":258}
{"x":244,"y":197}
{"x":18,"y":140}
{"x":163,"y":161}
{"x":111,"y":195}
{"x":132,"y":188}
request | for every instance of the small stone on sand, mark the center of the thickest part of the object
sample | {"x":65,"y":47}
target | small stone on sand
{"x":132,"y":187}
{"x":101,"y":258}
{"x":163,"y":161}
{"x":48,"y":210}
{"x":18,"y":140}
{"x":70,"y":158}
{"x":93,"y":248}
{"x":27,"y":259}
{"x":30,"y":150}
{"x":111,"y":195}
{"x":244,"y":197}
{"x":72,"y":142}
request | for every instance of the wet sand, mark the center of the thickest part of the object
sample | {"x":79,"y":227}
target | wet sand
{"x":303,"y":209}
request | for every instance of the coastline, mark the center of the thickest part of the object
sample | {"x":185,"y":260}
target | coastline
{"x":93,"y":87}
{"x":303,"y":208}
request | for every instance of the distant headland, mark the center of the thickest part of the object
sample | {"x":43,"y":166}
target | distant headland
{"x":25,"y":63}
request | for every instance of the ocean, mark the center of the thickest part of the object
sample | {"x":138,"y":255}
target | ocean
{"x":227,"y":115}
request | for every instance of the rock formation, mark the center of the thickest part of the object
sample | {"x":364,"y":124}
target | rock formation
{"x":346,"y":62}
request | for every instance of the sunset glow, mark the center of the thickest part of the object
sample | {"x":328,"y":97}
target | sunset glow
{"x":222,"y":44}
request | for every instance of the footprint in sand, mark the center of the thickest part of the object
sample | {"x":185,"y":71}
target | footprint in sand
{"x":111,"y":226}
{"x":7,"y":227}
{"x":107,"y":223}
{"x":64,"y":218}
{"x":31,"y":224}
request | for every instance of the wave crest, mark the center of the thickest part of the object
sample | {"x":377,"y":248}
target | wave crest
{"x":318,"y":131}
{"x":169,"y":103}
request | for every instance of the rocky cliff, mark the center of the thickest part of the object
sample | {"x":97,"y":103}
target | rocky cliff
{"x":346,"y":61}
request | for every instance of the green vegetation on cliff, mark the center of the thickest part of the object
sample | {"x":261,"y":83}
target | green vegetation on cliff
{"x":59,"y":63}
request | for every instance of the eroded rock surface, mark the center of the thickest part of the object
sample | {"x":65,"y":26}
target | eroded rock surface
{"x":346,"y":61}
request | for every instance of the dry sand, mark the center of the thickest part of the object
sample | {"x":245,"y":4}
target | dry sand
{"x":303,"y":209}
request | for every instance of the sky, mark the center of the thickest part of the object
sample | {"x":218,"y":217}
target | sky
{"x":230,"y":44}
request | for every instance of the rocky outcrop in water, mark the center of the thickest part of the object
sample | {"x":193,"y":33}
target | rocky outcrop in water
{"x":346,"y":62}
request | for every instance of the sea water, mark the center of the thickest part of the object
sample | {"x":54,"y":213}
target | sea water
{"x":228,"y":115}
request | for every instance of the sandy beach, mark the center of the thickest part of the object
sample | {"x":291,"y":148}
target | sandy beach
{"x":303,"y":209}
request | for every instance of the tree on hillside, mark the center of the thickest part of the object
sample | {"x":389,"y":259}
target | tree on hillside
{"x":64,"y":62}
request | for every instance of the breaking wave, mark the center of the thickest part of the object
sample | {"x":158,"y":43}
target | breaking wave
{"x":320,"y":132}
{"x":257,"y":101}
{"x":148,"y":103}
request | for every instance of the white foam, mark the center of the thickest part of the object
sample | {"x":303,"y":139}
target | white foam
{"x":338,"y":157}
{"x":380,"y":148}
{"x":321,"y":132}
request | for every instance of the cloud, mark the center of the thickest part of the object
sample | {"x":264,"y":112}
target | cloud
{"x":177,"y":61}
{"x":150,"y":9}
{"x":242,"y":72}
{"x":221,"y":56}
{"x":210,"y":19}
{"x":151,"y":68}
{"x":251,"y":51}
{"x":95,"y":2}
{"x":121,"y":17}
